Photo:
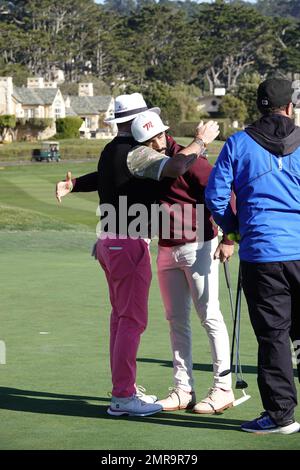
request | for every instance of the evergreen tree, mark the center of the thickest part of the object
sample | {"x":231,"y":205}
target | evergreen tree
{"x":247,"y":91}
{"x":281,"y":8}
{"x":160,"y":39}
{"x":229,"y":41}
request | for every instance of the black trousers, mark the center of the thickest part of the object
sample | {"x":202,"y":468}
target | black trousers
{"x":272,"y":291}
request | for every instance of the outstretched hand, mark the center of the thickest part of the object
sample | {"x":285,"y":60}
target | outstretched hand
{"x":207,"y":132}
{"x":64,"y":187}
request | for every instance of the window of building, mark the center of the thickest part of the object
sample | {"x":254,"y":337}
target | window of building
{"x":88,"y":122}
{"x":29,"y":113}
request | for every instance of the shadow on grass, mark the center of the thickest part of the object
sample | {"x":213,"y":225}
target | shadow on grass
{"x":75,"y":405}
{"x":196,"y":366}
{"x":204,"y":367}
{"x":7,"y":391}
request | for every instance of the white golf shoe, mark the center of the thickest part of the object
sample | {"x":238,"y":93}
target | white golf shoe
{"x":140,"y":393}
{"x":132,"y":406}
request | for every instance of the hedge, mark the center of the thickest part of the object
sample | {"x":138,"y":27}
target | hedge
{"x":68,"y":127}
{"x":187,"y":128}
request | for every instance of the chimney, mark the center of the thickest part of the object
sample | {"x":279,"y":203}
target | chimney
{"x":50,"y":84}
{"x":35,"y":82}
{"x":85,"y":89}
{"x":6,"y":91}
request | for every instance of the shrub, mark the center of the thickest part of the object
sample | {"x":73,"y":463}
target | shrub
{"x":184,"y":129}
{"x":39,"y":124}
{"x":225,"y":128}
{"x":246,"y":91}
{"x":68,"y":127}
{"x":29,"y":128}
{"x":233,"y":108}
{"x":187,"y":129}
{"x":7,"y":123}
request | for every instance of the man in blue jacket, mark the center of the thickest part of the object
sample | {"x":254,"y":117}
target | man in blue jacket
{"x":262,"y":165}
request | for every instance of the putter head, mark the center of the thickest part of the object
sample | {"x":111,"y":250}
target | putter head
{"x":241,"y":400}
{"x":241,"y":384}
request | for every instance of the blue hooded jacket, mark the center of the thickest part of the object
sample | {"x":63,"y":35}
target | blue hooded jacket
{"x":262,"y":166}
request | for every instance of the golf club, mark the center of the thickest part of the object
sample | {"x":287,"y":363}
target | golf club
{"x":241,"y":384}
{"x":294,"y":335}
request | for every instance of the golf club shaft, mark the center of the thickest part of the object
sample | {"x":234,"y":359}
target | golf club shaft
{"x":236,"y":339}
{"x":295,"y":338}
{"x":236,"y":325}
{"x":238,"y":368}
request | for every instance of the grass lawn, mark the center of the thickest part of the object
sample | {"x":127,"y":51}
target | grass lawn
{"x":72,"y":149}
{"x":55,"y":325}
{"x":69,"y":149}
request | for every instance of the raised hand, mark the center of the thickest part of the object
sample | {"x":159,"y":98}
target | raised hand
{"x":207,"y":132}
{"x":64,"y":187}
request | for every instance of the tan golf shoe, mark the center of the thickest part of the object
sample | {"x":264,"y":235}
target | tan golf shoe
{"x":178,"y":399}
{"x":216,"y":401}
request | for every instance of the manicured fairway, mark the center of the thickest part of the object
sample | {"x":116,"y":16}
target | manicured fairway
{"x":54,"y":311}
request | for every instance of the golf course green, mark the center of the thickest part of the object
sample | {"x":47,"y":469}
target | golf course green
{"x":54,"y":310}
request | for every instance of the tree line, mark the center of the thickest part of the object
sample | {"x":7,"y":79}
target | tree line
{"x":159,"y":47}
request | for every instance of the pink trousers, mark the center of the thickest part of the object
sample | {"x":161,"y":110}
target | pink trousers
{"x":127,"y":267}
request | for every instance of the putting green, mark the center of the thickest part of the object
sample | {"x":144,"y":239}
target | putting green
{"x":55,"y":325}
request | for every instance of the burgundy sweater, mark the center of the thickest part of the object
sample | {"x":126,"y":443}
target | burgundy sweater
{"x":186,"y":189}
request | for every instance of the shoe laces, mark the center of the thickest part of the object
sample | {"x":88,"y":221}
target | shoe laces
{"x":264,"y":415}
{"x":212,"y":391}
{"x":265,"y":420}
{"x":139,"y":401}
{"x":140,"y":389}
{"x":177,"y":390}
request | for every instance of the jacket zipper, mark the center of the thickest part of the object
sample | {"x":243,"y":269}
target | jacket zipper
{"x":280,"y":163}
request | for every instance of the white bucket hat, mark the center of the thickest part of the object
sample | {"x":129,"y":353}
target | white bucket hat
{"x":147,"y":125}
{"x":127,"y":107}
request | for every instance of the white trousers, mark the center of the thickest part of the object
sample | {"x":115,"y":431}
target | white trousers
{"x":187,"y":273}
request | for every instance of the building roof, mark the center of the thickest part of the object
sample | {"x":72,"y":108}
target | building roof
{"x":87,"y":105}
{"x":70,"y":112}
{"x":35,"y":96}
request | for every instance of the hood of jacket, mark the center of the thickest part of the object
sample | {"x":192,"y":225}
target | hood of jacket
{"x":275,"y":133}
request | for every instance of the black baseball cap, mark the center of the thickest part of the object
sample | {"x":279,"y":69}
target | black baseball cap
{"x":274,"y":93}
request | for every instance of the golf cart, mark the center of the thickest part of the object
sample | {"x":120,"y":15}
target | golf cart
{"x":48,"y":152}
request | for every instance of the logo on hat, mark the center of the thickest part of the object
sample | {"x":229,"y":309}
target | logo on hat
{"x":148,"y":125}
{"x":274,"y":93}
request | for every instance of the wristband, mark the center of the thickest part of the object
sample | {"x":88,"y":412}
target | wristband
{"x":200,"y":142}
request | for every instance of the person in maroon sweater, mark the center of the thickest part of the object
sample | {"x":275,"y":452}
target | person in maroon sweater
{"x":188,"y":261}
